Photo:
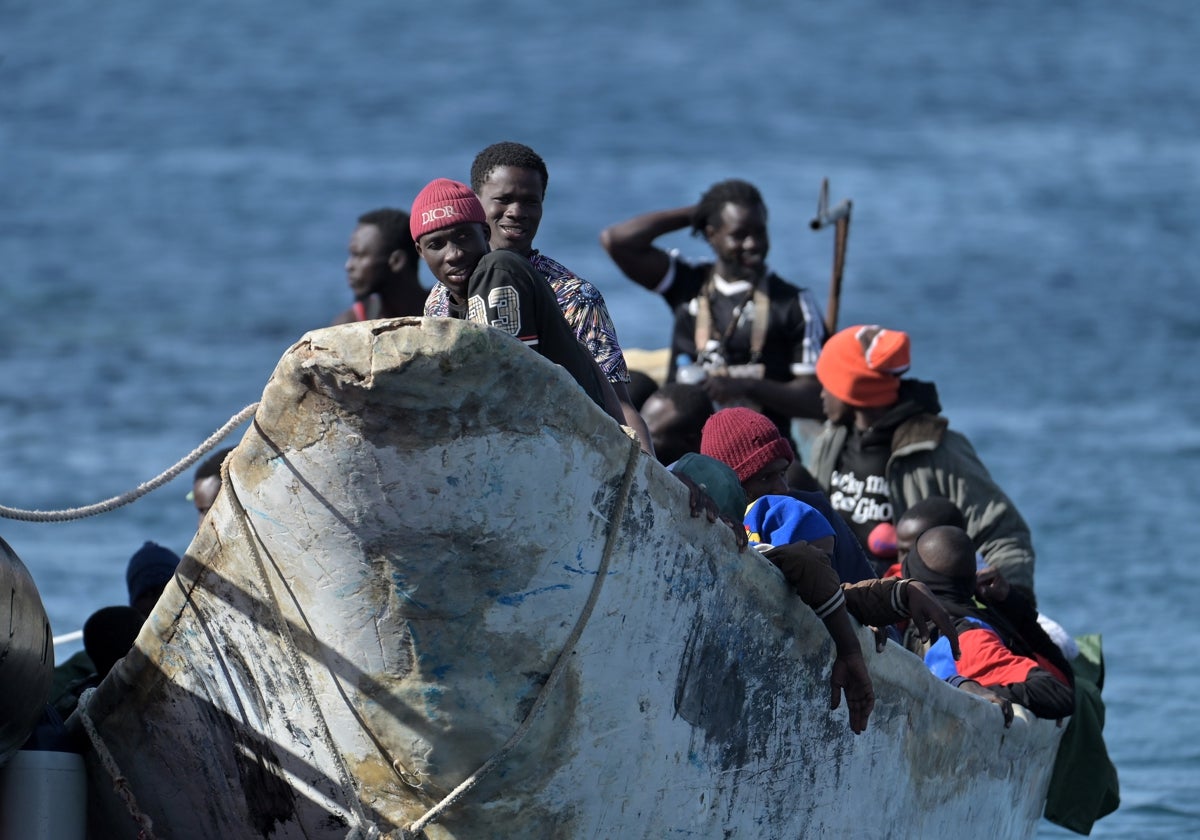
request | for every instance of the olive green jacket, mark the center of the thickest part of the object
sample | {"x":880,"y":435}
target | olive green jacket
{"x":930,"y":459}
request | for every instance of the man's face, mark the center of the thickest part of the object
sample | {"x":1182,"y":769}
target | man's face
{"x":740,"y":241}
{"x":512,"y":200}
{"x":771,"y":480}
{"x":835,"y":410}
{"x":367,"y":265}
{"x":452,"y":254}
{"x":204,"y":493}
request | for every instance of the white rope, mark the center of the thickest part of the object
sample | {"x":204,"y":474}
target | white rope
{"x":120,"y":783}
{"x":139,"y":491}
{"x":415,"y":829}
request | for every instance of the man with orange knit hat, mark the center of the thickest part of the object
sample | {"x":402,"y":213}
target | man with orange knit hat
{"x":498,"y":288}
{"x":885,"y":447}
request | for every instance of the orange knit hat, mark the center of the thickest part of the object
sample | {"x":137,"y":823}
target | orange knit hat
{"x":861,"y":365}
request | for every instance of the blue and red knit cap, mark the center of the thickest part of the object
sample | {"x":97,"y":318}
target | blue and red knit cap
{"x":861,"y":365}
{"x":745,"y":440}
{"x":443,"y":203}
{"x":779,"y":520}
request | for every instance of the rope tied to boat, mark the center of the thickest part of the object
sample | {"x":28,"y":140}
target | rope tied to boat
{"x":142,"y":489}
{"x":362,"y":828}
{"x":415,"y":830}
{"x":120,"y":783}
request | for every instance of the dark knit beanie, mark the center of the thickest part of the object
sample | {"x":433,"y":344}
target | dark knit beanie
{"x":150,"y":568}
{"x":441,"y":204}
{"x":745,"y":440}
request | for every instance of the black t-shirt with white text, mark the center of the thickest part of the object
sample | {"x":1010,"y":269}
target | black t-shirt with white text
{"x":858,"y":487}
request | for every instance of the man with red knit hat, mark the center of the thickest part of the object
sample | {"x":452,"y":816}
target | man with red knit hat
{"x":498,"y":288}
{"x":885,"y":447}
{"x":756,"y":450}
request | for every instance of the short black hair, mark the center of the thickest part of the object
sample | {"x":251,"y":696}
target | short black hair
{"x":714,"y":199}
{"x":691,"y":401}
{"x":210,"y":467}
{"x":393,"y":226}
{"x":507,"y":153}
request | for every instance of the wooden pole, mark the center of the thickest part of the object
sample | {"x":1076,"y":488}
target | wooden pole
{"x":839,"y":217}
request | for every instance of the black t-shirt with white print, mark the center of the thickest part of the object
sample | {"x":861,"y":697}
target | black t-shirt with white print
{"x":858,"y":487}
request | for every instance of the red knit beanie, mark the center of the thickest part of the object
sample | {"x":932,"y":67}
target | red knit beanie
{"x":441,"y":204}
{"x":745,"y":440}
{"x":861,"y":365}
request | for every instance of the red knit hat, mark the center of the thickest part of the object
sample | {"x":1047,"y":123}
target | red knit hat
{"x":745,"y":440}
{"x":441,"y":204}
{"x":861,"y":365}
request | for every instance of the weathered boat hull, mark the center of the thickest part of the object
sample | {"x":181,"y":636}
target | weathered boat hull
{"x":421,"y":517}
{"x":26,"y":653}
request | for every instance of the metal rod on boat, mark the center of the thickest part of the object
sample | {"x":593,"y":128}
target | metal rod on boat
{"x":839,"y":216}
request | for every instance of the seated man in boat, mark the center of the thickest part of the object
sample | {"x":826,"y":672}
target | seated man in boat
{"x":675,"y":415}
{"x":885,"y":447}
{"x":498,"y":288}
{"x":799,"y":541}
{"x":753,"y":337}
{"x":1003,"y":650}
{"x":510,"y":180}
{"x":382,"y":269}
{"x":109,"y":632}
{"x":990,"y":585}
{"x":206,"y":483}
{"x":760,"y":456}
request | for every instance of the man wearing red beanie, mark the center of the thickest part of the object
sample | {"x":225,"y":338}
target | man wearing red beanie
{"x":751,"y":444}
{"x":510,"y":180}
{"x":498,"y":288}
{"x":886,"y":447}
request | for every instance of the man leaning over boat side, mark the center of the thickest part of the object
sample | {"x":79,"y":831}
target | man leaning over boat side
{"x":756,"y":336}
{"x":760,"y":456}
{"x":885,"y":446}
{"x":510,"y":181}
{"x":498,"y":288}
{"x":1005,"y":655}
{"x":799,"y":540}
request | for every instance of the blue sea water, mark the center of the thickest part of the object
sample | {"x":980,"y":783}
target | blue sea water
{"x":177,"y":186}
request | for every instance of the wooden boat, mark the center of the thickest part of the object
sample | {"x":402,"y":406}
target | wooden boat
{"x":439,"y":579}
{"x":26,"y":653}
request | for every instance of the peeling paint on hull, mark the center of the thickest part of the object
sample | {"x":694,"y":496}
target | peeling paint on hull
{"x":411,"y":529}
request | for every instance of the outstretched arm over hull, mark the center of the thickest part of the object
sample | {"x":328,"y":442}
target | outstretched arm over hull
{"x":807,"y":569}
